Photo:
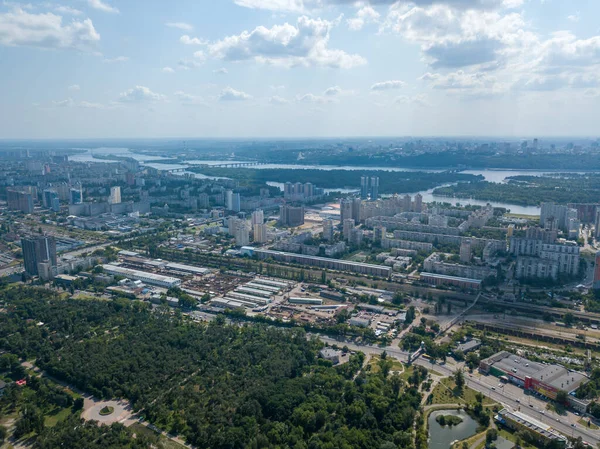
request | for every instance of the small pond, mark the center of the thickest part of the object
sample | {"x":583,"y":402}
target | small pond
{"x":442,"y":437}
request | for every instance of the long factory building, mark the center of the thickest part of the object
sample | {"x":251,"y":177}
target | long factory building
{"x":321,"y":262}
{"x":148,"y":278}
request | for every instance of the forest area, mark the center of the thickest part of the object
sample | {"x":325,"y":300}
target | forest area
{"x":530,"y":190}
{"x":389,"y":182}
{"x":215,"y":385}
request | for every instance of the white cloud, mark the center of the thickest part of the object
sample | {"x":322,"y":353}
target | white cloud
{"x":101,"y":6}
{"x":301,"y":6}
{"x":455,"y":38}
{"x":574,"y":17}
{"x":20,"y":28}
{"x":275,"y":99}
{"x":68,"y":10}
{"x":187,"y":40}
{"x":89,"y":105}
{"x":221,"y":71}
{"x":305,"y":44}
{"x":388,"y":85}
{"x":180,"y":26}
{"x":273,"y":5}
{"x":189,"y":100}
{"x":168,"y":70}
{"x":140,"y":94}
{"x":459,"y":80}
{"x":312,"y":98}
{"x":116,"y":60}
{"x":419,"y":100}
{"x":365,"y":15}
{"x":230,"y":94}
{"x":188,"y":64}
{"x":74,"y":87}
{"x":64,"y":103}
{"x":333,"y":91}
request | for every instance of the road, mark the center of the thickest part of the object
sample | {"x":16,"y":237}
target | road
{"x":517,"y":400}
{"x":513,"y":398}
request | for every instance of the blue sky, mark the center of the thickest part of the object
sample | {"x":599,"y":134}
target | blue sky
{"x":299,"y":68}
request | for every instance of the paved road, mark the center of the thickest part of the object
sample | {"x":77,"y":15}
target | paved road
{"x":508,"y":399}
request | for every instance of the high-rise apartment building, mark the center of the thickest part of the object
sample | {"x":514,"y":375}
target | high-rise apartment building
{"x":51,"y":200}
{"x":465,"y":251}
{"x":364,"y":187}
{"x":379,"y":233}
{"x":347,"y":227}
{"x":37,"y":250}
{"x":345,"y":209}
{"x":260,"y":233}
{"x":374,"y":191}
{"x":328,"y":230}
{"x":76,"y":195}
{"x":597,"y":272}
{"x":291,"y":216}
{"x":258,"y":217}
{"x":19,"y":200}
{"x":232,"y":201}
{"x":369,"y":187}
{"x":115,"y":195}
{"x":418,"y":206}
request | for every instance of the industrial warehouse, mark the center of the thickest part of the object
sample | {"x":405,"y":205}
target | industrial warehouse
{"x":321,"y":262}
{"x":544,"y":379}
{"x":149,"y":278}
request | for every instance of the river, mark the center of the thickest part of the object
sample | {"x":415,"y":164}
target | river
{"x":491,"y":175}
{"x":442,"y":437}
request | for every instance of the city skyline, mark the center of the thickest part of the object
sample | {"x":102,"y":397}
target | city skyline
{"x":293,"y":68}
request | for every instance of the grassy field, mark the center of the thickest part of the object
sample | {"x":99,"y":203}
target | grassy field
{"x":165,"y":443}
{"x":584,"y":423}
{"x":445,"y":393}
{"x":396,"y":366}
{"x":58,"y":414}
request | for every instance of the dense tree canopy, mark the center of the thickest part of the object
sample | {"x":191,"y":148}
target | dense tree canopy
{"x":218,"y":386}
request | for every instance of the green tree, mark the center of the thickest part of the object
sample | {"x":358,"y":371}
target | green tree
{"x":459,"y":379}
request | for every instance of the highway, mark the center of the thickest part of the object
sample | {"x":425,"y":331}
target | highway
{"x":514,"y":398}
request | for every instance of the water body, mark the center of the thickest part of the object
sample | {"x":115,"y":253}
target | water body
{"x":88,"y":156}
{"x":491,"y":175}
{"x":442,"y":437}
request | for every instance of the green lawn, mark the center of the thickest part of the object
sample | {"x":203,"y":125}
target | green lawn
{"x":396,"y":365}
{"x":165,"y":443}
{"x":56,"y":415}
{"x":584,"y":423}
{"x":444,"y":393}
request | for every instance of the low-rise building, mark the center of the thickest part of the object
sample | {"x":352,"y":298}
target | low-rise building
{"x":332,"y":355}
{"x":541,"y":432}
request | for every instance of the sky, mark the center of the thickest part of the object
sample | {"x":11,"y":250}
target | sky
{"x":299,"y":68}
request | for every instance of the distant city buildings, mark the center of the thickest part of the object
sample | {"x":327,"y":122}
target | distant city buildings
{"x":301,"y":192}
